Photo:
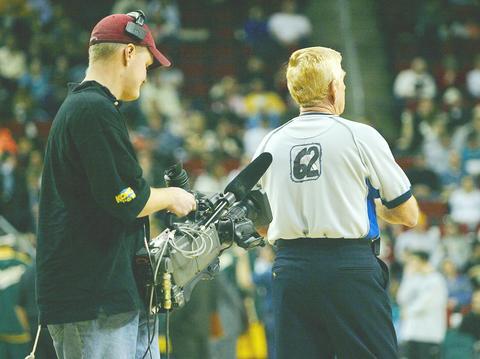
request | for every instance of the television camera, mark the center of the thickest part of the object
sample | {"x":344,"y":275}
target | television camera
{"x":171,"y":264}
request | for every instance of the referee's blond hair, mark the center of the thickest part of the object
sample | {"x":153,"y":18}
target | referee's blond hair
{"x":310,"y":72}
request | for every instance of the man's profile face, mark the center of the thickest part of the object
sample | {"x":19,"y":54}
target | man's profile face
{"x":136,"y":73}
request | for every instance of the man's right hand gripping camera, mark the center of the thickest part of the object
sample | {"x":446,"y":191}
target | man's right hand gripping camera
{"x":171,"y":264}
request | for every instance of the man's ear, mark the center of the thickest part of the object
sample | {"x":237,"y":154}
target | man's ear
{"x":332,"y":90}
{"x":128,"y":53}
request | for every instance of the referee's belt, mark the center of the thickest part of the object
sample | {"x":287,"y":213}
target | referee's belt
{"x":373,"y":243}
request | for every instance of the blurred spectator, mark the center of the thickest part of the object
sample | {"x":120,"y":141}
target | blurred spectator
{"x":430,"y":15}
{"x":12,"y":60}
{"x":437,"y":145}
{"x":43,"y":8}
{"x":415,"y":82}
{"x":165,"y":16}
{"x":222,"y":141}
{"x":465,"y":203}
{"x":449,"y":75}
{"x":124,"y":6}
{"x":473,"y":265}
{"x":415,"y":126}
{"x":161,"y":96}
{"x":452,"y":175}
{"x":63,"y":71}
{"x":27,"y":303}
{"x":226,"y":97}
{"x":260,"y":102}
{"x":145,"y":159}
{"x":230,"y":307}
{"x":458,"y":284}
{"x":37,"y":82}
{"x":24,"y":107}
{"x":422,"y":297}
{"x":471,"y":322}
{"x":256,"y":69}
{"x":465,"y":28}
{"x":212,"y":180}
{"x":165,"y":138}
{"x":14,"y":332}
{"x":459,"y":138}
{"x":193,"y":133}
{"x":473,"y":79}
{"x":25,"y":147}
{"x":425,"y":182}
{"x":191,"y":324}
{"x":256,"y":33}
{"x":262,"y":277}
{"x":254,"y":135}
{"x":226,"y":138}
{"x":288,"y":27}
{"x":455,"y":244}
{"x":422,"y":237}
{"x":471,"y":155}
{"x":454,"y":107}
{"x":14,"y":196}
{"x":7,"y":142}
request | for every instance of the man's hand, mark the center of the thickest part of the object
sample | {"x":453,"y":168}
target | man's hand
{"x":181,"y":201}
{"x":173,"y":199}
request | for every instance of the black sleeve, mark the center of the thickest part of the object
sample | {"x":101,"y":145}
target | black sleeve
{"x":114,"y":175}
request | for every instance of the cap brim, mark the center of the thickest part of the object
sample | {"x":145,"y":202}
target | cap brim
{"x":159,"y":58}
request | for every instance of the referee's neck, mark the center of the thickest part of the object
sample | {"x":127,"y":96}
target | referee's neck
{"x":322,"y":109}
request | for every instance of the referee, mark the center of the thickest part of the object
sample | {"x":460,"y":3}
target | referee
{"x":329,"y":180}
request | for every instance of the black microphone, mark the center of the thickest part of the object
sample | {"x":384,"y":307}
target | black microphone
{"x":243,"y":183}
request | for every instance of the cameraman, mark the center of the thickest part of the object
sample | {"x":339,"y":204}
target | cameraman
{"x":329,"y":289}
{"x":94,"y":204}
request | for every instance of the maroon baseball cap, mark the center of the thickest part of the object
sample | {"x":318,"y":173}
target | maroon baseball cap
{"x":112,"y":29}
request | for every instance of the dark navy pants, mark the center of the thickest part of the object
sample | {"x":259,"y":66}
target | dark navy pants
{"x":330,"y":299}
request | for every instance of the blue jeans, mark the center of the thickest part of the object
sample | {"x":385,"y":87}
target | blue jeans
{"x":118,"y":336}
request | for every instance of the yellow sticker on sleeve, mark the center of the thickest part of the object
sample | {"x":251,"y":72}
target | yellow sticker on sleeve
{"x":126,"y":195}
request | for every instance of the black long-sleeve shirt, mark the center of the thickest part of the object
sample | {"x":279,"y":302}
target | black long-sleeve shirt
{"x":92,"y":191}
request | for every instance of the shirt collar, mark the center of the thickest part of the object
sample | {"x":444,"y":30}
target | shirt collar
{"x":316,"y":113}
{"x":74,"y":87}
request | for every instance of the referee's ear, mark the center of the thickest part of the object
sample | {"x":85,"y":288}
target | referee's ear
{"x":332,"y":91}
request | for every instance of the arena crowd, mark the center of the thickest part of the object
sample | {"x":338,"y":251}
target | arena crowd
{"x":225,"y":92}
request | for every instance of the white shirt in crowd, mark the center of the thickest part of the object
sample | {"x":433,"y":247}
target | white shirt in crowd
{"x":465,"y":206}
{"x":12,"y":63}
{"x":473,"y":82}
{"x":419,"y":240}
{"x":436,"y":152}
{"x":457,"y":248}
{"x":423,"y":304}
{"x":289,"y":28}
{"x":410,"y":84}
{"x":208,"y":184}
{"x":325,"y":173}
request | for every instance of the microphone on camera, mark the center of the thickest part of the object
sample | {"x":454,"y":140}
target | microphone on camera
{"x":243,"y":183}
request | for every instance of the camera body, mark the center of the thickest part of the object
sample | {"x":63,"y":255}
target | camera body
{"x":171,"y":264}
